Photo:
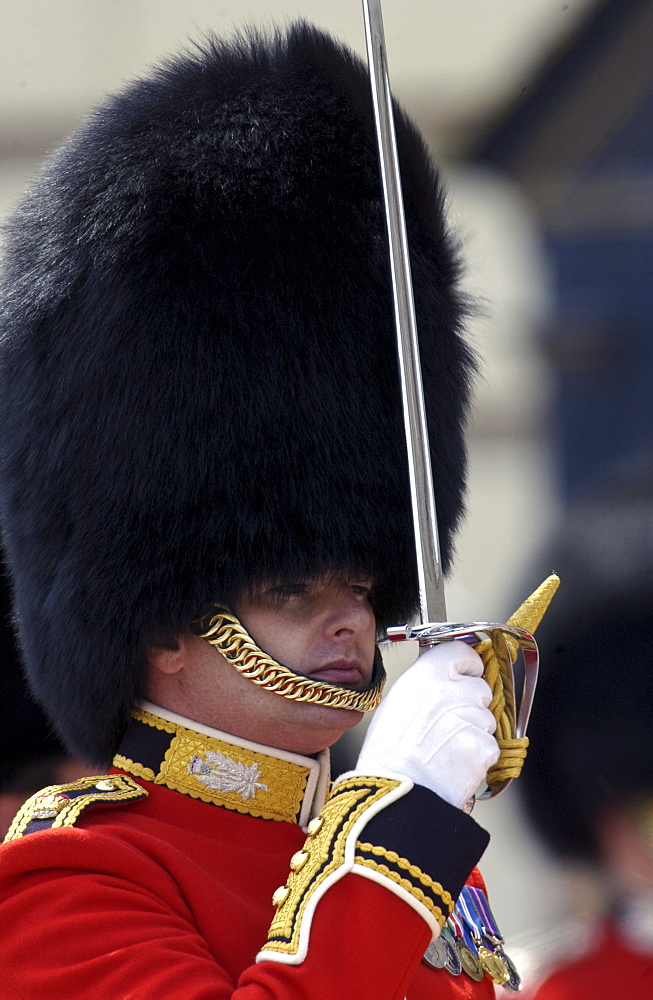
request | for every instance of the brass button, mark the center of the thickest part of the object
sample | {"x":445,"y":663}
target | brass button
{"x":280,"y":895}
{"x":314,"y":826}
{"x":105,"y":785}
{"x":298,"y":861}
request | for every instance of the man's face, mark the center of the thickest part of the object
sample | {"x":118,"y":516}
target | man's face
{"x":324,"y":629}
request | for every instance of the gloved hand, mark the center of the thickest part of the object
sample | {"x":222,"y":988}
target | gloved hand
{"x":434,"y":725}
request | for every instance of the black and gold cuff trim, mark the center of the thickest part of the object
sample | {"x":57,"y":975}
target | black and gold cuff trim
{"x":437,"y":837}
{"x":384,"y":829}
{"x":410,"y":877}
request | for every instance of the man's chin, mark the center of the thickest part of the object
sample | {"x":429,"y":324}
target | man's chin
{"x":326,"y":728}
{"x":326,"y":717}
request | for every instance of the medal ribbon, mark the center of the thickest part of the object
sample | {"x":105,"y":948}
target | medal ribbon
{"x":448,"y":933}
{"x":468,"y":937}
{"x":472,"y":922}
{"x":456,"y":928}
{"x":477,"y":901}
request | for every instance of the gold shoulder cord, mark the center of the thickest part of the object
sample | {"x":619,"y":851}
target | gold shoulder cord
{"x":61,"y":805}
{"x":223,"y":631}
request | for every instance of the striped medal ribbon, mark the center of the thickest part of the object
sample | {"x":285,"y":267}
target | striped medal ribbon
{"x":478,"y":915}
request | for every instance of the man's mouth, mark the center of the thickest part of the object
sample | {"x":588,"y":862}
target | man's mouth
{"x":340,"y":672}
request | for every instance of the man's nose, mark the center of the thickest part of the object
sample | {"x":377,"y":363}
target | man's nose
{"x":348,"y":615}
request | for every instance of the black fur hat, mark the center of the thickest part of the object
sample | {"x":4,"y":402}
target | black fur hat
{"x":591,"y":731}
{"x":199,"y":377}
{"x":26,"y":739}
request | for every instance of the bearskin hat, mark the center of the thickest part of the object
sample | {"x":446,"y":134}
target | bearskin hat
{"x":591,"y":729}
{"x":27,"y":740}
{"x":199,"y":377}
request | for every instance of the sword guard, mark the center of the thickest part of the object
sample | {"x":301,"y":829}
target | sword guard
{"x":498,"y":644}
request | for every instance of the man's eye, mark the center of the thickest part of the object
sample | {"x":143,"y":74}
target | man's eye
{"x":286,"y":590}
{"x":361,"y":588}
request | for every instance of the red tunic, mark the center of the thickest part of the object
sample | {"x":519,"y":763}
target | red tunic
{"x":170,"y":897}
{"x":611,"y":970}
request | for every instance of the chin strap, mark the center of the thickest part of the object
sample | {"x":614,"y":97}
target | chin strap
{"x":223,"y":631}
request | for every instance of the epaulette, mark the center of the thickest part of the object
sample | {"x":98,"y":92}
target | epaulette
{"x":62,"y":805}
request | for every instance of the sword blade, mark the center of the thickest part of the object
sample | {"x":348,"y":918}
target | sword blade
{"x":427,"y":546}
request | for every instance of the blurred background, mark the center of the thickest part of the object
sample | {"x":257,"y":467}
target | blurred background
{"x":539,"y":115}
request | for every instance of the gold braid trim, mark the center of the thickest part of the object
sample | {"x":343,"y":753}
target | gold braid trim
{"x":413,"y":870}
{"x":224,"y":774}
{"x":410,"y":887}
{"x":155,"y":721}
{"x":320,"y":858}
{"x":223,"y":631}
{"x":498,"y":653}
{"x":61,"y":805}
{"x":133,"y":767}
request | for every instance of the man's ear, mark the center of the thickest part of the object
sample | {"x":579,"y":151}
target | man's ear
{"x":169,"y":658}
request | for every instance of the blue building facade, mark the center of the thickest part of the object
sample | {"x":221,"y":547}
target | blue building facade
{"x":580,"y":144}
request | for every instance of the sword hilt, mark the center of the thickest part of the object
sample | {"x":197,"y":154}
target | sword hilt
{"x":489,"y":640}
{"x":498,"y":645}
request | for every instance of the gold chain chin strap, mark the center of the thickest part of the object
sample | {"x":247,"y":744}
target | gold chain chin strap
{"x":498,"y":653}
{"x":223,"y":631}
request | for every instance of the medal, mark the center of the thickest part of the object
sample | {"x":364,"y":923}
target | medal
{"x":513,"y":984}
{"x":453,"y":965}
{"x":498,"y":965}
{"x":477,"y":944}
{"x":472,"y":929}
{"x":491,"y":963}
{"x":469,"y":962}
{"x":442,"y":953}
{"x":435,"y":954}
{"x":465,"y":948}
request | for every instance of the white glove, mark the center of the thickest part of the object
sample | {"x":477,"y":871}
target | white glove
{"x":434,"y":725}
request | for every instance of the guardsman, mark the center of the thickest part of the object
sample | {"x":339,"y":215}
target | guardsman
{"x":206,"y":514}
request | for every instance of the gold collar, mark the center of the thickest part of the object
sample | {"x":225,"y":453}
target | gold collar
{"x":224,"y":770}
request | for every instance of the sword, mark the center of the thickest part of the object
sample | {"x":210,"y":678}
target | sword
{"x":427,"y":546}
{"x":498,"y":643}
